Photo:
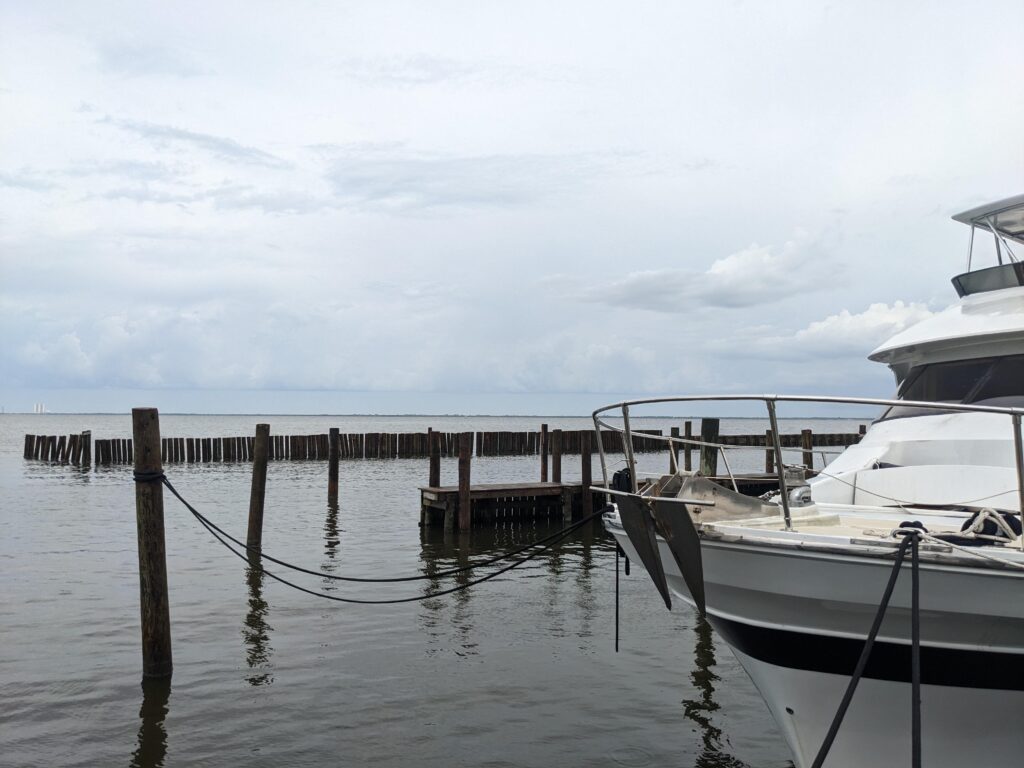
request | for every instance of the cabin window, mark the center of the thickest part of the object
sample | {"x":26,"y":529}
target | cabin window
{"x":997,"y":381}
{"x":1004,"y":386}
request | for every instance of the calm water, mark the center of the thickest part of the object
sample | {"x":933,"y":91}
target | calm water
{"x":520,"y":671}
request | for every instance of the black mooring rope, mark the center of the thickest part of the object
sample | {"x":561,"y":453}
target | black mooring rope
{"x":909,"y":539}
{"x":564,"y":533}
{"x":252,"y":553}
{"x":334,"y":577}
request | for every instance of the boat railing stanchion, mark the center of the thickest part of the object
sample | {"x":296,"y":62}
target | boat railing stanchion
{"x":728,"y":469}
{"x":627,"y":444}
{"x":1018,"y":452}
{"x":600,"y":450}
{"x":779,"y":466}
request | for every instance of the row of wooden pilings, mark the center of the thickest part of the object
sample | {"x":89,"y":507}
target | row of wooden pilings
{"x":77,"y":448}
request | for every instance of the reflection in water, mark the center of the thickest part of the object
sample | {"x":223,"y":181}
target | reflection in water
{"x":152,"y":747}
{"x":700,"y":710}
{"x":256,"y":630}
{"x":332,"y":539}
{"x":443,"y":550}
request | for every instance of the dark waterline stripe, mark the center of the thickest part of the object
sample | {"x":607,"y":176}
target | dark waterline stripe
{"x":889,"y":661}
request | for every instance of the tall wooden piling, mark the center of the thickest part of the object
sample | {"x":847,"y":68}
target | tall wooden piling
{"x":254,"y":537}
{"x":585,"y":475}
{"x":333,"y":453}
{"x":807,"y":445}
{"x":149,"y":520}
{"x":709,"y":454}
{"x":769,"y":452}
{"x":556,"y":456}
{"x":435,"y":460}
{"x":687,"y":447}
{"x":543,"y":453}
{"x":465,"y":457}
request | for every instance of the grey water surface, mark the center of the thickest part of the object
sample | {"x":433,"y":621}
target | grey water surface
{"x":519,"y":671}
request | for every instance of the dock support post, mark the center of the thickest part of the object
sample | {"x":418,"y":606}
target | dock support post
{"x":688,"y":434}
{"x":556,"y":456}
{"x":807,"y":445}
{"x":333,"y":452}
{"x":709,"y":454}
{"x":149,"y":521}
{"x":254,"y":539}
{"x":435,"y":459}
{"x":586,"y":480}
{"x":543,"y":453}
{"x":769,"y":453}
{"x":465,"y":501}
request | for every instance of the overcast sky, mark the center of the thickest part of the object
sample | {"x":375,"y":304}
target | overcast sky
{"x":485,"y":207}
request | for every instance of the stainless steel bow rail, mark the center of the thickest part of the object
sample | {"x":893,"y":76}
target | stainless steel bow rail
{"x":770,"y":401}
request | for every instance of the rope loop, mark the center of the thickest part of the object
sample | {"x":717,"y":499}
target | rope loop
{"x":148,"y":476}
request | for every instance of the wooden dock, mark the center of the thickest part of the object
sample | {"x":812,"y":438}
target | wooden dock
{"x":496,"y":502}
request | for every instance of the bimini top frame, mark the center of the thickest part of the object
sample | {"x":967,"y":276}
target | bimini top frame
{"x":1014,"y":414}
{"x":1005,"y":220}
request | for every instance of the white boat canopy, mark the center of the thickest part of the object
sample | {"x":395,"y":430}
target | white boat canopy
{"x":1004,"y":218}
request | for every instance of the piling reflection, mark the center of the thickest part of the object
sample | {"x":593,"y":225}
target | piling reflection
{"x":332,"y":540}
{"x":152,"y":743}
{"x":568,"y":568}
{"x":700,"y":710}
{"x":256,"y":632}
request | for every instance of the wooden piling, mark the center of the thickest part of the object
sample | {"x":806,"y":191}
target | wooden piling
{"x":807,"y":444}
{"x":709,"y":454}
{"x":149,"y":519}
{"x":543,"y":453}
{"x":435,"y":460}
{"x":769,"y":452}
{"x":688,"y":434}
{"x":333,"y":454}
{"x":254,"y":538}
{"x":585,"y":474}
{"x":465,"y":457}
{"x":556,"y":456}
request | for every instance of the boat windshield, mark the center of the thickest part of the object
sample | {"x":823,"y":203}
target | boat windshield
{"x":997,"y":381}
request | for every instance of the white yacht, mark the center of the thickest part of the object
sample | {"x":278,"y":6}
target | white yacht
{"x":897,"y":572}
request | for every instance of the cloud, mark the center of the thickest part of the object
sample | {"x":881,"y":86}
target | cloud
{"x":407,"y":182}
{"x":846,"y":332}
{"x":224,"y":197}
{"x":218,"y":146}
{"x":843,"y":335}
{"x":26,"y":180}
{"x":424,"y":69}
{"x":135,"y":60}
{"x":750,"y":277}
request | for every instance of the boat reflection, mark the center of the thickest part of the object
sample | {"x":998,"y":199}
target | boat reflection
{"x":701,"y":710}
{"x":152,"y":742}
{"x":256,"y":632}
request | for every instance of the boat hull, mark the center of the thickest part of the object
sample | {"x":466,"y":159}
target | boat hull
{"x":796,"y":618}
